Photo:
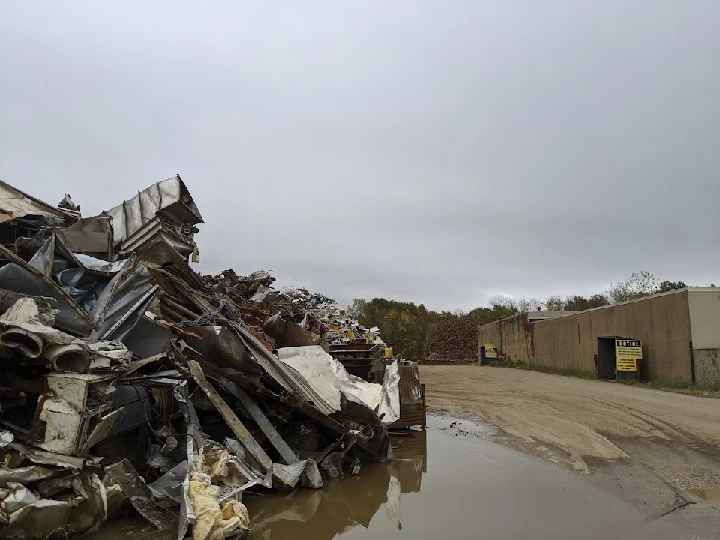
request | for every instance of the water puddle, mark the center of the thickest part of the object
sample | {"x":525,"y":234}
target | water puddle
{"x":344,"y":503}
{"x":707,"y":495}
{"x":451,"y":481}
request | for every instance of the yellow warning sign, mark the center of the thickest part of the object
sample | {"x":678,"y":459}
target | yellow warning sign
{"x":627,"y":353}
{"x":625,"y":364}
{"x":490,"y":351}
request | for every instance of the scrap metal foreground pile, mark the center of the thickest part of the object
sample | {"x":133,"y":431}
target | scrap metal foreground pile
{"x":129,"y":382}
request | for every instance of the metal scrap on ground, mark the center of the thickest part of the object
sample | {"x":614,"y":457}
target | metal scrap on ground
{"x":130,"y":382}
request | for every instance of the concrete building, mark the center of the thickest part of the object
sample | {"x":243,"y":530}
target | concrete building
{"x":679,"y":330}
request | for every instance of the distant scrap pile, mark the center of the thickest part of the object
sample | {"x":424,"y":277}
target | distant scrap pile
{"x":454,"y":339}
{"x":130,"y":382}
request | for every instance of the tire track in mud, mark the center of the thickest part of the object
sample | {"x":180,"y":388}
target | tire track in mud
{"x":584,"y":421}
{"x":670,"y":432}
{"x":547,"y":426}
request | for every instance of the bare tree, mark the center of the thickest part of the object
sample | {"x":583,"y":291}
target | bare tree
{"x":503,"y":301}
{"x":639,"y":284}
{"x":555,"y":303}
{"x":525,"y":305}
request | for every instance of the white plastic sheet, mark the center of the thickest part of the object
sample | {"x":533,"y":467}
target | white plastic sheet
{"x":389,"y":407}
{"x":331,"y":381}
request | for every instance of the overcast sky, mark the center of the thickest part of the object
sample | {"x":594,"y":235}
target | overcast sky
{"x":438,"y":152}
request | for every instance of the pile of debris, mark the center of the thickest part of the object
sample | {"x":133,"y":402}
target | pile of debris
{"x":266,"y":311}
{"x":454,"y":339}
{"x":129,"y":382}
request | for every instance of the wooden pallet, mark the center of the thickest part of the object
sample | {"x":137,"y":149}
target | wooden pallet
{"x":411,"y":414}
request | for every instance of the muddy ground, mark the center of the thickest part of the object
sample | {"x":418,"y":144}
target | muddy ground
{"x":656,"y":450}
{"x":455,"y":481}
{"x":585,"y":423}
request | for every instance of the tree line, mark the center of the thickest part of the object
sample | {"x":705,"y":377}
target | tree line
{"x":409,"y":327}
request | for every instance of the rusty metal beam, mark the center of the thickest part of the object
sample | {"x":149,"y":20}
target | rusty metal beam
{"x":237,"y":427}
{"x":261,"y":420}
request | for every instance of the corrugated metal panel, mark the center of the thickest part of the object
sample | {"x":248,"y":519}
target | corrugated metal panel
{"x":131,"y":215}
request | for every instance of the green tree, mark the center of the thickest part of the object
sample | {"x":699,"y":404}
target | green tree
{"x":402,"y":324}
{"x":356,"y":310}
{"x":666,"y":286}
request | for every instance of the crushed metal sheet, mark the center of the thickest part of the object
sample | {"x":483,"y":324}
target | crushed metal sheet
{"x":20,"y":277}
{"x":50,"y":458}
{"x":24,"y":475}
{"x":17,"y":204}
{"x":289,"y":378}
{"x":169,"y":485}
{"x":44,"y":518}
{"x":139,"y":494}
{"x":102,"y":429}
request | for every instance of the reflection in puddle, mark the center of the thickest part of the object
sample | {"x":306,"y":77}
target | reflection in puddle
{"x":473,"y":488}
{"x":706,"y":494}
{"x":343,"y":503}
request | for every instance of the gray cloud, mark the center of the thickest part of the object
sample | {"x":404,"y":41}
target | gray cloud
{"x":439,"y":152}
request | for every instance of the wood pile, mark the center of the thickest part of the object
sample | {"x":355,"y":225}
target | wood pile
{"x":454,"y":339}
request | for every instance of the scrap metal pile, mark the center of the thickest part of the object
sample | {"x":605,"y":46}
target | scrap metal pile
{"x":129,"y":382}
{"x":314,"y":318}
{"x":454,"y":339}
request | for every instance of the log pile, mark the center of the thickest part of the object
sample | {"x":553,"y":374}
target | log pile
{"x":453,"y":340}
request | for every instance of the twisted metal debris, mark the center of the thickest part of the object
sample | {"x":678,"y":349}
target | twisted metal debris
{"x":131,"y":383}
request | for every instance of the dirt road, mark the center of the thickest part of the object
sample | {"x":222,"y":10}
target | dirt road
{"x":583,"y":422}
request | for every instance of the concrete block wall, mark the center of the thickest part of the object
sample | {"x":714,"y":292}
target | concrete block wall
{"x":707,"y":366}
{"x":704,"y":307}
{"x":662,"y":322}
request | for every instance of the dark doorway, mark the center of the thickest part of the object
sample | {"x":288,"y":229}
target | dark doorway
{"x":483,"y":358}
{"x":606,"y":358}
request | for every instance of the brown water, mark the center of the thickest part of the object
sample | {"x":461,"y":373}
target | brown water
{"x":450,"y":482}
{"x":343,"y":503}
{"x":455,"y":483}
{"x":706,"y":494}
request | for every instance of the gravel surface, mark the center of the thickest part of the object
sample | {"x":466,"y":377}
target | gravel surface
{"x":587,"y":424}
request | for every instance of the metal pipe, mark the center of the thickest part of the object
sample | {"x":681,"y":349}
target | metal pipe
{"x":70,"y":358}
{"x":27,"y":343}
